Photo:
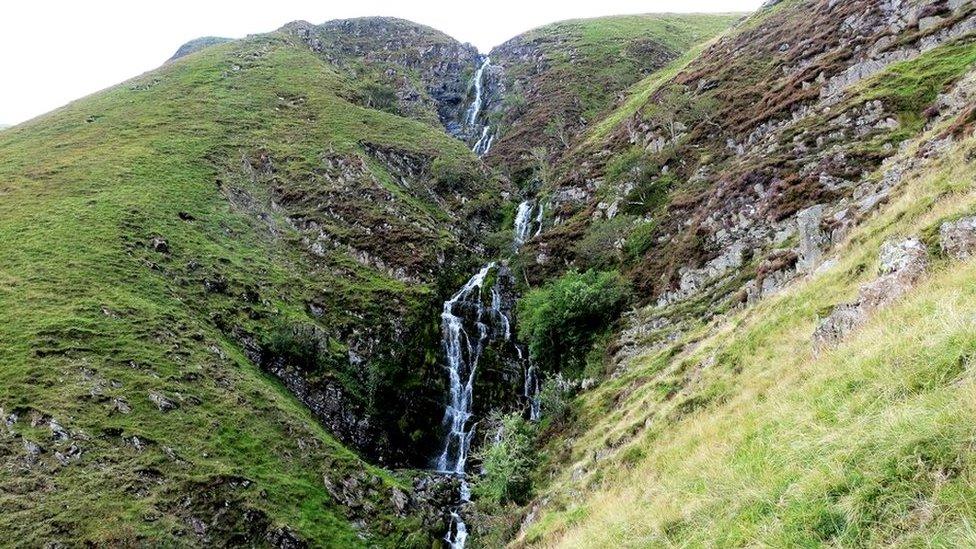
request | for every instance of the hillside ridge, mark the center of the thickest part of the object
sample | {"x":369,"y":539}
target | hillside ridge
{"x":654,"y":279}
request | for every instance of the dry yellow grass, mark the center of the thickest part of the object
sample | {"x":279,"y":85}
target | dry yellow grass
{"x":869,"y":444}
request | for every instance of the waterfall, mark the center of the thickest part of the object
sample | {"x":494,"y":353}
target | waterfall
{"x":483,"y":145}
{"x":531,"y":392}
{"x":475,"y":109}
{"x":462,"y":352}
{"x":538,"y":220}
{"x":486,"y":138}
{"x":466,"y":327}
{"x":523,"y":223}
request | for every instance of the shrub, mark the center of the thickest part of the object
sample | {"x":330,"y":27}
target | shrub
{"x":599,"y":247}
{"x":451,"y":176}
{"x":507,"y":462}
{"x":297,"y":345}
{"x":554,"y":400}
{"x":561,"y":320}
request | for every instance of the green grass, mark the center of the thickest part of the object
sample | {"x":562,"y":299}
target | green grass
{"x":741,"y":435}
{"x":90,"y":314}
{"x":604,"y":50}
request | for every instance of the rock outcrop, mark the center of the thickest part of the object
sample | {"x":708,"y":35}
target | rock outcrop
{"x":902,"y":265}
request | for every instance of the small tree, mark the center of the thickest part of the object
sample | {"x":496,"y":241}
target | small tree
{"x":507,"y":460}
{"x":561,"y":320}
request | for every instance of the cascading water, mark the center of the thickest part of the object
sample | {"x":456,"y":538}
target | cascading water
{"x":466,"y":329}
{"x":523,"y":223}
{"x":467,"y":326}
{"x":485,"y":139}
{"x":531,"y":392}
{"x":462,"y":352}
{"x":475,"y":109}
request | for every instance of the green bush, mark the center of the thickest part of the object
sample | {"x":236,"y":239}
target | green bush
{"x":598,"y":248}
{"x":561,"y":320}
{"x":451,"y":176}
{"x":507,"y":462}
{"x":640,"y":241}
{"x":554,"y":400}
{"x":298,"y":345}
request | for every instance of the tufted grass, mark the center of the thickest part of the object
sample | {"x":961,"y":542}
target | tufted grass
{"x":741,"y":435}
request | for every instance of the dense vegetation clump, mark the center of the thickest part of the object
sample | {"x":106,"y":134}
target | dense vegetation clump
{"x":560,"y":320}
{"x":507,"y":461}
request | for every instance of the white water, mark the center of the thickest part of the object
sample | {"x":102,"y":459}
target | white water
{"x":538,"y":220}
{"x":483,"y":144}
{"x":463,"y":346}
{"x":475,"y":109}
{"x":531,"y":392}
{"x":462,"y":351}
{"x":523,"y":223}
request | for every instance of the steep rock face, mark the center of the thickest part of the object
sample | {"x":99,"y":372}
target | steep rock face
{"x":400,"y":66}
{"x":792,"y":110}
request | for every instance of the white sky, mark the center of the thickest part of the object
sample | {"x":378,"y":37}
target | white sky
{"x":54,"y":51}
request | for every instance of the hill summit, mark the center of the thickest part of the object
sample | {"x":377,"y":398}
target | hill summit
{"x":643,"y":280}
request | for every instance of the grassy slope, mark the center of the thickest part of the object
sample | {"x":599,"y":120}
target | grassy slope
{"x":587,"y":63}
{"x":88,"y":314}
{"x":740,"y":434}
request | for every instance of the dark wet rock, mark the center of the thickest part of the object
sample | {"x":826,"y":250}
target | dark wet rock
{"x":215,"y":285}
{"x":159,"y":244}
{"x":284,"y":538}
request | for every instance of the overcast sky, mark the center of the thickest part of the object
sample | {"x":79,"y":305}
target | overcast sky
{"x":54,"y":51}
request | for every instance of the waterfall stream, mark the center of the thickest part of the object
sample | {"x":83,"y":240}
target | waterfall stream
{"x":467,"y":326}
{"x":486,"y":138}
{"x":475,"y":109}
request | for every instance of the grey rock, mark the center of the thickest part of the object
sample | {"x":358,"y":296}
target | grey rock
{"x":903,"y":263}
{"x":120,"y":405}
{"x":958,"y":238}
{"x":159,"y":244}
{"x":164,"y":404}
{"x":33,"y":449}
{"x":905,"y":255}
{"x":812,"y":238}
{"x":840,"y":322}
{"x":57,"y":431}
{"x":400,"y":500}
{"x":927,"y":23}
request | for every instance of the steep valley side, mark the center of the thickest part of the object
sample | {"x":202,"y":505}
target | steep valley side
{"x":628,"y":281}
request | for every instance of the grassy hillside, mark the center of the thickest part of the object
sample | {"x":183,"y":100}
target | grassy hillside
{"x":561,"y":78}
{"x":744,"y":191}
{"x":740,"y":433}
{"x":162,"y":239}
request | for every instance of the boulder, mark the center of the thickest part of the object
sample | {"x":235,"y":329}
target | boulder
{"x":812,"y":238}
{"x":159,"y":244}
{"x":902,"y":264}
{"x":840,"y":322}
{"x":164,"y":404}
{"x":958,"y":238}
